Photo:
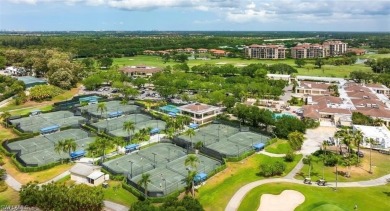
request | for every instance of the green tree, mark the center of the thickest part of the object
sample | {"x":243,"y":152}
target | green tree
{"x":145,"y":179}
{"x":129,"y":126}
{"x":105,"y":62}
{"x":192,"y":161}
{"x":190,"y":133}
{"x":59,"y":148}
{"x":300,"y":62}
{"x":101,"y":144}
{"x":272,"y":168}
{"x":295,"y":139}
{"x":319,"y":62}
{"x":101,"y":107}
{"x":139,"y":82}
{"x":285,"y":125}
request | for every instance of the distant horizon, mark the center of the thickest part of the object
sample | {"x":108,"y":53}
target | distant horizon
{"x":314,"y":31}
{"x":195,"y":15}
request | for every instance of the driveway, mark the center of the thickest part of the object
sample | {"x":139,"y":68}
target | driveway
{"x":315,"y":137}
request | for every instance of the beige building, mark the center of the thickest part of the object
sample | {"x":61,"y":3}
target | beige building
{"x":312,"y":88}
{"x":335,"y":48}
{"x":83,"y":173}
{"x":265,"y":51}
{"x":140,"y":71}
{"x":200,"y":113}
{"x":307,"y":50}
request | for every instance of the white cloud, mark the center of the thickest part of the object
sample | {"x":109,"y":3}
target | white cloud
{"x":241,"y":11}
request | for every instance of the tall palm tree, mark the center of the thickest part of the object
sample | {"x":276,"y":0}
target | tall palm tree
{"x":4,"y":116}
{"x":190,"y":133}
{"x":370,"y":141}
{"x":145,"y":179}
{"x":192,"y":161}
{"x":358,"y":138}
{"x":59,"y":148}
{"x":118,"y":141}
{"x":129,"y":126}
{"x":324,"y":145}
{"x":101,"y":107}
{"x":190,"y":182}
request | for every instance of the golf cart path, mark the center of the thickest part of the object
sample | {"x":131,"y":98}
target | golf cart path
{"x":237,"y":198}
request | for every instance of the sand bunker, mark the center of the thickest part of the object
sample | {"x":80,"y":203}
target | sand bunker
{"x":288,"y":200}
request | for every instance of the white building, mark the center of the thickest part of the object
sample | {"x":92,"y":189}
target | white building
{"x":200,"y":113}
{"x":88,"y":174}
{"x":381,"y":136}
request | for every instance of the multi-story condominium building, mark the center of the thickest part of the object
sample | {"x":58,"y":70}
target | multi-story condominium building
{"x":334,"y":48}
{"x":265,"y":51}
{"x":307,"y":50}
{"x":328,"y":48}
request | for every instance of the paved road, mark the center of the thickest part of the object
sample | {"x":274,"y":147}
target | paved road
{"x":315,"y":137}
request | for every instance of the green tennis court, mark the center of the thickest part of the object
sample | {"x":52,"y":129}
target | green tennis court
{"x":112,"y":106}
{"x":35,"y":123}
{"x":40,"y":149}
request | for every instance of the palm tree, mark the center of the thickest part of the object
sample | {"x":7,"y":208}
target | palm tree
{"x":129,"y":126}
{"x":69,"y":145}
{"x":192,"y":161}
{"x":145,"y":179}
{"x":4,"y":116}
{"x":378,"y":122}
{"x":324,"y":145}
{"x":101,"y":107}
{"x":170,"y":132}
{"x":358,"y":138}
{"x":370,"y":141}
{"x":59,"y":148}
{"x":190,"y":182}
{"x":124,"y":102}
{"x":118,"y":141}
{"x":101,"y":144}
{"x":190,"y":133}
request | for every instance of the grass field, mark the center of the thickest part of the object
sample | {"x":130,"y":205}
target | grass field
{"x":324,"y":199}
{"x":326,"y":70}
{"x":9,"y":197}
{"x":381,"y":167}
{"x":218,"y":190}
{"x":117,"y":194}
{"x":279,"y":147}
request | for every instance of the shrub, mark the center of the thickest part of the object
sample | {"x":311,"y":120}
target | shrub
{"x":272,"y":169}
{"x":311,"y":123}
{"x":290,"y":156}
{"x":44,"y":92}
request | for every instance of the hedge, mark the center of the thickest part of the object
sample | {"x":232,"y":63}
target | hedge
{"x":241,"y":157}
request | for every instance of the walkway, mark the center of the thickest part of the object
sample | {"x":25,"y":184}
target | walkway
{"x":271,"y":154}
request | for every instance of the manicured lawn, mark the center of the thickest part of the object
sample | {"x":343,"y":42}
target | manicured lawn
{"x":40,"y":176}
{"x":218,"y":190}
{"x":9,"y":197}
{"x":317,"y":198}
{"x":380,"y":162}
{"x":117,"y":194}
{"x":309,"y":69}
{"x":279,"y":147}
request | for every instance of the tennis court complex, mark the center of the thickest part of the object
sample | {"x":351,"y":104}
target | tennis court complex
{"x":35,"y":123}
{"x":114,"y":126}
{"x":227,"y":140}
{"x":112,"y":106}
{"x":39,"y":150}
{"x":164,"y":162}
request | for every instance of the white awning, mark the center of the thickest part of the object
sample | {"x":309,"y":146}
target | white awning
{"x":96,"y":175}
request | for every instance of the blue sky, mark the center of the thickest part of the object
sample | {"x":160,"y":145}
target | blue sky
{"x":237,"y":15}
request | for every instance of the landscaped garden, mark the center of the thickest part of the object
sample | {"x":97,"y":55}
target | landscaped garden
{"x":380,"y":167}
{"x":324,"y":198}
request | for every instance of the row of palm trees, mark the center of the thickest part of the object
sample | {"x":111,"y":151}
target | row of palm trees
{"x":192,"y":162}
